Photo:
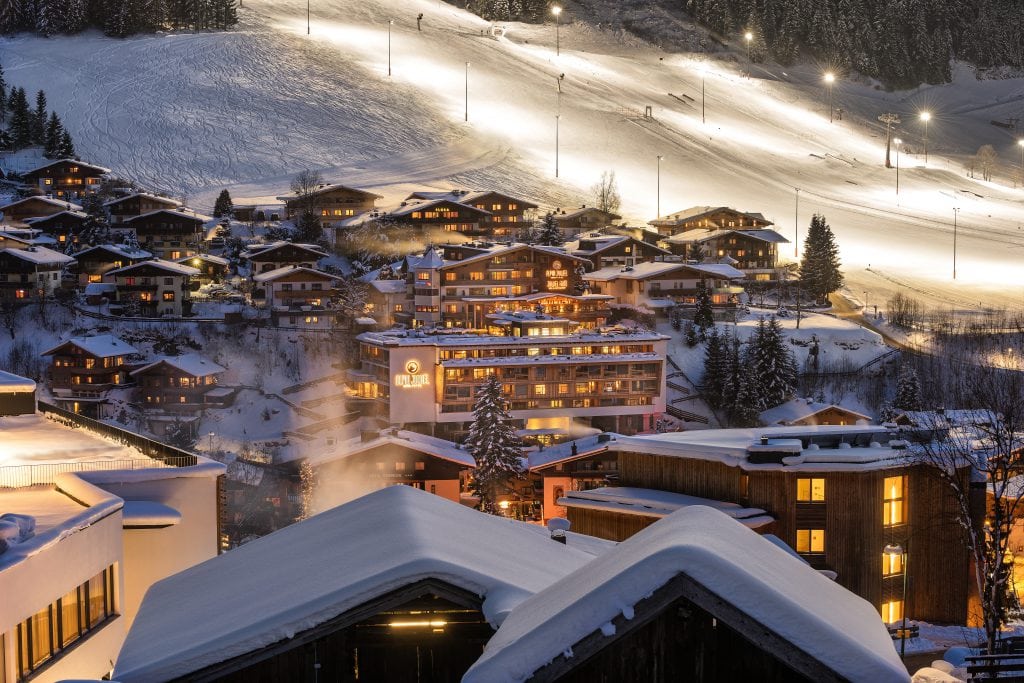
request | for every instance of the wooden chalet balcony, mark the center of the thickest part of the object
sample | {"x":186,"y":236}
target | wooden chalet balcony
{"x":139,"y":288}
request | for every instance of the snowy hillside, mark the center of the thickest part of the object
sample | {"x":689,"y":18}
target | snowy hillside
{"x":193,"y":113}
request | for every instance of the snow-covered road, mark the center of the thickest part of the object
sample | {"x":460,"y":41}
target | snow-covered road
{"x":247,"y":109}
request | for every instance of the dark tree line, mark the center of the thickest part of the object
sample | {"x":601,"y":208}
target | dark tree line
{"x":507,"y":10}
{"x":22,"y":125}
{"x":115,"y":17}
{"x":900,"y":43}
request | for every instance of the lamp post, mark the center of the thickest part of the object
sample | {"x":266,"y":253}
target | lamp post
{"x":796,"y":225}
{"x":467,"y":92}
{"x":748,"y":36}
{"x":658,"y":205}
{"x":830,"y":79}
{"x":897,"y":142}
{"x":307,"y":17}
{"x":926,"y":116}
{"x":391,"y":23}
{"x":558,"y":118}
{"x":1020,"y":143}
{"x":893,"y":551}
{"x":956,"y":210}
{"x":557,"y":11}
{"x":210,"y":448}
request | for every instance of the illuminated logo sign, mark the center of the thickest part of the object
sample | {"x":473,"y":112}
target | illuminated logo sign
{"x":412,"y":376}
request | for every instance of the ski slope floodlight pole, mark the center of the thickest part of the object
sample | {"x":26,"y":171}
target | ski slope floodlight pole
{"x":557,"y":11}
{"x":558,"y":119}
{"x":796,"y":225}
{"x":658,"y":193}
{"x":888,"y":119}
{"x":897,"y":142}
{"x":830,"y":79}
{"x":926,"y":116}
{"x":467,"y":92}
{"x":956,"y":210}
{"x":391,"y":22}
{"x":1020,"y":143}
{"x":307,"y":17}
{"x":748,"y":36}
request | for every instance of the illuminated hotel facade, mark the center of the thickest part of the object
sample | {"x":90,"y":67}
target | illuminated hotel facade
{"x":558,"y":382}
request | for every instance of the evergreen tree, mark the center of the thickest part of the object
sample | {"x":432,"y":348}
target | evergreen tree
{"x":908,"y":390}
{"x":21,"y":119}
{"x":53,"y":137}
{"x":13,"y":15}
{"x":3,"y":96}
{"x":549,"y":234}
{"x":819,"y":267}
{"x":772,"y":364}
{"x":493,"y":443}
{"x":308,"y":228}
{"x":704,"y":317}
{"x":223,"y":207}
{"x":714,"y":369}
{"x":66,"y":149}
{"x":38,"y":119}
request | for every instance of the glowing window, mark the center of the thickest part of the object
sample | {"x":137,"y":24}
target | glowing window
{"x":894,"y":499}
{"x":892,"y":611}
{"x":892,"y":564}
{"x":810,"y":540}
{"x":810,"y":490}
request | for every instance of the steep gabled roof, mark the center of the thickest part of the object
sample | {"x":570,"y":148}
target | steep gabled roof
{"x":566,"y":215}
{"x":784,"y":596}
{"x":100,"y":346}
{"x":278,"y":273}
{"x":69,"y":206}
{"x":204,"y":257}
{"x":310,"y":572}
{"x":659,"y":269}
{"x":468,"y":196}
{"x":331,"y":188}
{"x":122,"y":250}
{"x":704,"y":235}
{"x":80,"y":215}
{"x":143,"y":195}
{"x":76,"y":162}
{"x":695,"y":212}
{"x":801,"y":409}
{"x":169,"y":267}
{"x":258,"y":251}
{"x":191,"y":364}
{"x":39,"y":255}
{"x":189,"y":215}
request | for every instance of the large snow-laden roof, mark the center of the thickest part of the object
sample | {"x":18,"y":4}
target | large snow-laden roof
{"x":930,"y":419}
{"x":566,"y":215}
{"x":190,"y":363}
{"x":69,"y":206}
{"x":277,"y":273}
{"x":839,"y":629}
{"x":321,"y":190}
{"x":143,"y":195}
{"x":209,"y":258}
{"x":74,"y":162}
{"x":122,"y":250}
{"x":654,"y":503}
{"x":170,"y":267}
{"x":661,"y":269}
{"x":439,"y":448}
{"x":81,"y":215}
{"x":801,"y":409}
{"x":698,"y":211}
{"x":703,"y":235}
{"x":40,"y":256}
{"x":177,"y":213}
{"x":583,"y":336}
{"x":257,"y":251}
{"x":15,"y":384}
{"x":101,"y":346}
{"x":468,"y":196}
{"x":389,"y":286}
{"x":294,"y":579}
{"x":605,"y":242}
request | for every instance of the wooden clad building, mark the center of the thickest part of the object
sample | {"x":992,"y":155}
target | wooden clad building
{"x":66,"y":178}
{"x":137,"y":204}
{"x":17,"y":212}
{"x":168,"y":233}
{"x":333,"y":202}
{"x":709,"y":218}
{"x":507,"y":214}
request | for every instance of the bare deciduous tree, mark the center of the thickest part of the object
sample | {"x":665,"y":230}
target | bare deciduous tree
{"x":606,"y":193}
{"x":304,"y":187}
{"x":986,"y":160}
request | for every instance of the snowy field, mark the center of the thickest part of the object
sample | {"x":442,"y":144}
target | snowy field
{"x":193,"y":113}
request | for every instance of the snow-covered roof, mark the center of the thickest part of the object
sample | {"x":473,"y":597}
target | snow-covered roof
{"x":168,"y":266}
{"x":816,"y":615}
{"x":191,"y":364}
{"x":430,"y":445}
{"x":468,"y":196}
{"x":276,"y":273}
{"x":210,"y":258}
{"x":15,"y":384}
{"x":430,"y":259}
{"x":63,"y":204}
{"x":704,"y":235}
{"x":935,"y":419}
{"x":655,"y":503}
{"x":698,"y":211}
{"x":257,"y":251}
{"x":605,"y":242}
{"x":101,"y":346}
{"x":41,"y":219}
{"x":100,"y":288}
{"x":566,"y":215}
{"x":389,"y":286}
{"x":459,"y":338}
{"x":143,"y":195}
{"x":177,"y":213}
{"x":327,"y":188}
{"x":801,"y":409}
{"x":308,"y":573}
{"x":75,"y":162}
{"x":40,"y":255}
{"x":122,"y":250}
{"x":660,"y":269}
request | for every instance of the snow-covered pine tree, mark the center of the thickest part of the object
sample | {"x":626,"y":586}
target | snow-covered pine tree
{"x":493,"y":443}
{"x":548,"y":233}
{"x":704,"y":317}
{"x":745,"y":407}
{"x":21,"y":125}
{"x":53,"y":136}
{"x":908,"y":390}
{"x":819,"y":267}
{"x":223,"y":206}
{"x":37,"y":120}
{"x":714,"y":369}
{"x":772,"y":364}
{"x":66,"y":149}
{"x":3,"y":96}
{"x":49,"y":17}
{"x":12,"y":16}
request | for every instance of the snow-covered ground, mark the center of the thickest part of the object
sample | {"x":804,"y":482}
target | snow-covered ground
{"x":192,"y":113}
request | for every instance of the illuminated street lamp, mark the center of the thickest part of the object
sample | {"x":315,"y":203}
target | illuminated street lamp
{"x":830,"y":79}
{"x":557,"y":11}
{"x":307,"y":17}
{"x":892,"y":551}
{"x":926,"y":116}
{"x":897,"y":142}
{"x":658,"y":205}
{"x":748,"y":36}
{"x":467,"y":92}
{"x":1021,"y":144}
{"x":558,"y":119}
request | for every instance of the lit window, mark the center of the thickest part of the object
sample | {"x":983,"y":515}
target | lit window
{"x":476,"y":276}
{"x":540,"y":389}
{"x":399,"y":467}
{"x":449,"y":277}
{"x":892,"y":611}
{"x":892,"y":564}
{"x":893,"y":511}
{"x":810,"y":490}
{"x":810,"y":540}
{"x":425,"y":275}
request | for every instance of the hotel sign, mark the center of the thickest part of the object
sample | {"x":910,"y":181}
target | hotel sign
{"x":412,"y":377}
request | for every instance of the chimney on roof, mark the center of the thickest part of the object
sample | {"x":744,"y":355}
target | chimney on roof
{"x":558,"y":526}
{"x":764,"y":440}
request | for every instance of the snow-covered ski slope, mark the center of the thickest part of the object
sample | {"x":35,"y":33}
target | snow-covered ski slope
{"x":193,"y":113}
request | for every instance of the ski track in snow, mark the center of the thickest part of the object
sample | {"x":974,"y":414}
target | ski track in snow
{"x":247,"y":109}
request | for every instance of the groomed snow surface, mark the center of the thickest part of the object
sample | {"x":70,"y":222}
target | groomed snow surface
{"x":249,"y":108}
